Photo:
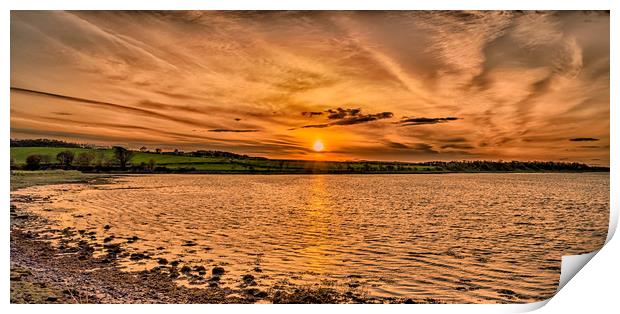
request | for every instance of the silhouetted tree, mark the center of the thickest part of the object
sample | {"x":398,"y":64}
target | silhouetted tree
{"x":65,"y":158}
{"x":33,"y":162}
{"x":158,"y":150}
{"x":143,"y":148}
{"x":122,"y":155}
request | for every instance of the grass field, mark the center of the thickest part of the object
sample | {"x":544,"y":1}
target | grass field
{"x":19,"y":155}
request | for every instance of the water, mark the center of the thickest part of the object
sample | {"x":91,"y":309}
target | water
{"x":479,"y":238}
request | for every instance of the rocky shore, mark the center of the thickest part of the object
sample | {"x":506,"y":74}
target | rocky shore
{"x":63,"y":269}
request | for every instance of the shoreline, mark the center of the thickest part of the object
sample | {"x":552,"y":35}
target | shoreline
{"x":69,"y":273}
{"x":121,"y":173}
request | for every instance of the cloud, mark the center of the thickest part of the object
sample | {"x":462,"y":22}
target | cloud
{"x":347,"y":117}
{"x":505,"y":74}
{"x":406,"y":121}
{"x":60,"y":113}
{"x":423,"y":147}
{"x":311,"y":113}
{"x":396,"y":145}
{"x":454,"y":140}
{"x":457,"y":146}
{"x":232,"y":130}
{"x":110,"y":105}
{"x":583,"y":139}
{"x":340,"y":113}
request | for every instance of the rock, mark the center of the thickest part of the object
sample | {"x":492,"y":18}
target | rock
{"x":409,"y":301}
{"x":52,"y":298}
{"x":174,"y":273}
{"x":185,"y":269}
{"x":138,"y":256}
{"x":108,"y":239}
{"x":200,"y":268}
{"x":218,"y":271}
{"x":506,"y":292}
{"x":256,"y":293}
{"x":248,"y":279}
{"x":189,"y":243}
{"x":107,"y":227}
{"x":214,"y":279}
{"x":162,"y":261}
{"x":175,"y":263}
{"x":258,"y":269}
{"x":354,"y":284}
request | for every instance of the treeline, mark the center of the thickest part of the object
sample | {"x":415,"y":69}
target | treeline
{"x":508,"y":166}
{"x":220,"y":154}
{"x":92,"y":160}
{"x":43,"y":142}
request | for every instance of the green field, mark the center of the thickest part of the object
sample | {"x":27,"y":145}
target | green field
{"x":216,"y":164}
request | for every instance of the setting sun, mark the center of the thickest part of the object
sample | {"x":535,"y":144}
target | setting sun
{"x":318,"y":146}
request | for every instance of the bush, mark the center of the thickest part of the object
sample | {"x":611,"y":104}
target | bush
{"x":33,"y":162}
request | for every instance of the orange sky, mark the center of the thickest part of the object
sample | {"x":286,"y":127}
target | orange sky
{"x":409,"y":86}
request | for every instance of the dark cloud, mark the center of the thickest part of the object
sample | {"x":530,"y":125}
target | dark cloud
{"x":583,"y":139}
{"x":347,"y":117}
{"x":232,"y":130}
{"x":407,"y":121}
{"x":311,"y":113}
{"x":340,"y":113}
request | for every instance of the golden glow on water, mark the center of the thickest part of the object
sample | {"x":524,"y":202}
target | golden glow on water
{"x":451,"y":237}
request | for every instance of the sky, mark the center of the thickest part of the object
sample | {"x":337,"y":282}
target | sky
{"x":366,"y":85}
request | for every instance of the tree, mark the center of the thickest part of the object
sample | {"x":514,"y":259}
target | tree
{"x":151,"y":164}
{"x":65,"y":158}
{"x":84,"y":159}
{"x":33,"y":162}
{"x":122,"y":155}
{"x":158,"y":150}
{"x":143,"y":148}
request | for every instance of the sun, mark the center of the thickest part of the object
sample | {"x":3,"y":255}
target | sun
{"x":318,"y":146}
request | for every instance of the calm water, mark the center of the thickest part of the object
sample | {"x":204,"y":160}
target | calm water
{"x":452,"y":237}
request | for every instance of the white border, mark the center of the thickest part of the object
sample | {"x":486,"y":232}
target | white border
{"x":570,"y":298}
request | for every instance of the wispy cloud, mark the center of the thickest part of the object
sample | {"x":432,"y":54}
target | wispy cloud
{"x":500,"y":84}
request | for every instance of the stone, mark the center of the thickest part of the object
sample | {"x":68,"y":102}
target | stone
{"x":218,"y":270}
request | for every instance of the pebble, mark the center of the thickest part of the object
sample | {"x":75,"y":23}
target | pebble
{"x":218,"y":270}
